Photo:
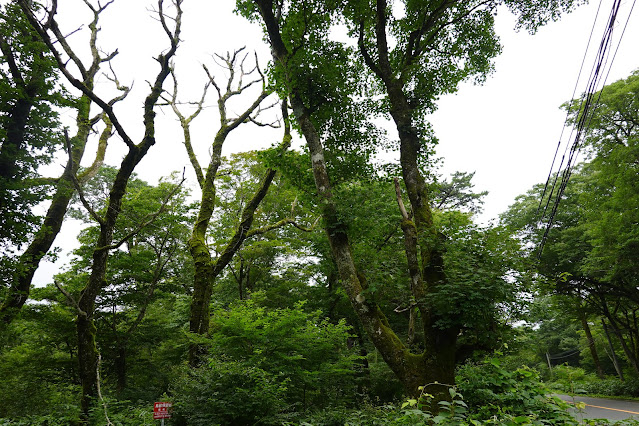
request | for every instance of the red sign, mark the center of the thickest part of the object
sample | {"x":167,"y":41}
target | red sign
{"x":161,"y":410}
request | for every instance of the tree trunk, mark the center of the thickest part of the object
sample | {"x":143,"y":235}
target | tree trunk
{"x":120,"y":367}
{"x":413,"y":370}
{"x":632,"y":359}
{"x":591,"y":343}
{"x":613,"y":354}
{"x":86,"y":331}
{"x":207,"y":270}
{"x":13,"y":144}
{"x":87,"y":361}
{"x":630,"y":355}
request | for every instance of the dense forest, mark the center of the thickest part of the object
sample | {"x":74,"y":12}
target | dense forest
{"x":316,"y":281}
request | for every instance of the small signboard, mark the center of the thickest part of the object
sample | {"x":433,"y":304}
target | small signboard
{"x":162,"y":410}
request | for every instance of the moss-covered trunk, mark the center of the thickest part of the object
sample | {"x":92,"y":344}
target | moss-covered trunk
{"x":207,"y":269}
{"x":413,"y":370}
{"x":424,"y":247}
{"x":29,"y":261}
{"x":86,"y":330}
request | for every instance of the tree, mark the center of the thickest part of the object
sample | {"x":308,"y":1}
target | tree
{"x":49,"y":31}
{"x":144,"y":271}
{"x":207,"y":267}
{"x":29,"y":125}
{"x":437,"y":45}
{"x":275,"y":260}
{"x":20,"y":273}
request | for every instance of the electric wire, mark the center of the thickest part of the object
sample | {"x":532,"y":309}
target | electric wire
{"x":565,"y":354}
{"x":587,"y":109}
{"x":574,"y":91}
{"x":584,"y":117}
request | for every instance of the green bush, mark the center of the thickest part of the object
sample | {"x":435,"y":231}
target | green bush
{"x":225,"y":393}
{"x":490,"y":391}
{"x":613,"y":387}
{"x":293,"y":346}
{"x":266,"y":362}
{"x":565,"y":378}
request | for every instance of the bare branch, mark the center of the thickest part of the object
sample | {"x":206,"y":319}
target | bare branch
{"x":281,"y":224}
{"x":78,"y":187}
{"x":185,"y":123}
{"x":90,"y":172}
{"x":212,"y":81}
{"x":253,"y":117}
{"x":400,"y":203}
{"x":80,"y":85}
{"x":70,"y":298}
{"x":400,"y":310}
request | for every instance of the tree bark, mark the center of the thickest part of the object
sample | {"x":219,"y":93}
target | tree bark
{"x":613,"y":354}
{"x":591,"y":343}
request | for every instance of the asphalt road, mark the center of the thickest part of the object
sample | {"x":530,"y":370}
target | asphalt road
{"x":599,"y":408}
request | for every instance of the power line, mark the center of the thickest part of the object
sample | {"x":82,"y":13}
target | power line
{"x":587,"y":109}
{"x":574,"y":91}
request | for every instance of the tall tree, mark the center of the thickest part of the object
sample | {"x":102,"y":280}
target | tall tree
{"x":435,"y":46}
{"x":51,"y":34}
{"x":590,"y":251}
{"x":29,"y":125}
{"x":145,"y":268}
{"x":208,"y":267}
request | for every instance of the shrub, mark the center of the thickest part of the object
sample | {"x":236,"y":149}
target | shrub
{"x":490,"y":390}
{"x":613,"y":387}
{"x":297,"y":347}
{"x":225,"y":393}
{"x":570,"y":379}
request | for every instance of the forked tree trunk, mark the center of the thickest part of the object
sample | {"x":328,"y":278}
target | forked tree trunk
{"x":436,"y":363}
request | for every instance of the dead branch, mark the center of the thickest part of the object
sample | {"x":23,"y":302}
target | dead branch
{"x":52,"y":25}
{"x":70,"y":298}
{"x":77,"y":185}
{"x":400,"y":203}
{"x":185,"y":123}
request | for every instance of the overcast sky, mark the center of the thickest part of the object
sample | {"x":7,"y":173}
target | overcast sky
{"x":506,"y":130}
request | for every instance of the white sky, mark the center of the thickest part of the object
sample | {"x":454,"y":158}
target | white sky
{"x":505,"y":130}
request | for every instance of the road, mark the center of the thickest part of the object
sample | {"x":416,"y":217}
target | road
{"x":599,"y":408}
